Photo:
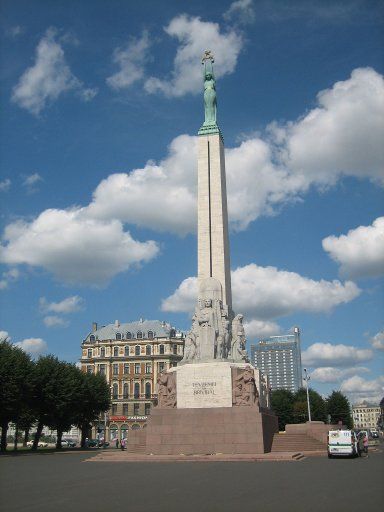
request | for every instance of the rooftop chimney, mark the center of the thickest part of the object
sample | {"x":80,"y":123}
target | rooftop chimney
{"x":94,"y":326}
{"x":117,"y":323}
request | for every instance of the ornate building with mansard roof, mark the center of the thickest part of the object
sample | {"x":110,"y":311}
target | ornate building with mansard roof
{"x":130,"y":355}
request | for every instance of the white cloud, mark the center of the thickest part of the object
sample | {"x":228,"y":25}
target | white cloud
{"x":241,"y":10}
{"x":261,"y":328}
{"x":377,"y":341}
{"x":48,"y":78}
{"x":194,"y":37}
{"x":33,"y":346}
{"x":5,"y":185}
{"x":262,"y":174}
{"x":4,"y":336}
{"x":330,"y":374}
{"x":64,"y":307}
{"x":8,"y":276}
{"x":263,"y":293}
{"x":55,"y":321}
{"x":326,"y":354}
{"x":15,"y":31}
{"x":74,"y":247}
{"x":361,"y":252}
{"x":361,"y":389}
{"x":30,"y":182}
{"x":131,"y":60}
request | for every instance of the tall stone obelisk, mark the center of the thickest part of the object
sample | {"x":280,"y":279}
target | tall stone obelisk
{"x":213,"y":242}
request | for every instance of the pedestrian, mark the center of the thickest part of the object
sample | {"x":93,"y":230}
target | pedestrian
{"x":117,"y":442}
{"x":122,"y":444}
{"x":365,"y":444}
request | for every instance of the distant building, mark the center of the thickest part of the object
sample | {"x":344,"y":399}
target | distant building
{"x":130,"y":355}
{"x":280,"y":358}
{"x":366,"y":416}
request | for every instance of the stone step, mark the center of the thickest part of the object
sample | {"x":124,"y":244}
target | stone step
{"x":296,"y":442}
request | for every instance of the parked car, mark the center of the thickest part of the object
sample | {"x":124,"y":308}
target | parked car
{"x":68,"y":443}
{"x":94,"y":443}
{"x":41,"y":444}
{"x":344,"y":442}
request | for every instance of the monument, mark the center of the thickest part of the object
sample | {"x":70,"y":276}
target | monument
{"x":215,"y":401}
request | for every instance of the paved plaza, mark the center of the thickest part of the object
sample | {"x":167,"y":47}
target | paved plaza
{"x":66,"y":482}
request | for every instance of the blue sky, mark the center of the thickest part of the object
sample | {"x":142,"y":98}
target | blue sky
{"x":101,"y":104}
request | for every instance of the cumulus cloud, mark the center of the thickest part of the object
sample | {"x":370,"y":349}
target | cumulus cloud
{"x":264,"y":293}
{"x":361,"y":389}
{"x":8,"y":276}
{"x":33,"y":346}
{"x":377,"y":341}
{"x":360,"y":252}
{"x":194,"y":37}
{"x":261,"y":328}
{"x":5,"y":185}
{"x":263,"y":174}
{"x":241,"y":11}
{"x":66,"y":306}
{"x":330,"y":374}
{"x":4,"y":336}
{"x":131,"y":60}
{"x":326,"y":354}
{"x":74,"y":247}
{"x":48,"y":78}
{"x":55,"y":321}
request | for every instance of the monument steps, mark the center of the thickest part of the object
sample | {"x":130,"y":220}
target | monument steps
{"x":296,"y":442}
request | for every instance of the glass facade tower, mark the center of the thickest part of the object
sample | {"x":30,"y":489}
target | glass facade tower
{"x":280,"y":358}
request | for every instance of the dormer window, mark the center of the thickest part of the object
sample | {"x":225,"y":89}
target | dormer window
{"x":150,"y":335}
{"x":172,"y":334}
{"x":129,"y":336}
{"x":139,"y":335}
{"x":92,"y":338}
{"x":118,"y":336}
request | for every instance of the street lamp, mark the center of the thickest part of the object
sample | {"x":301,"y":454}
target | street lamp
{"x":307,"y":378}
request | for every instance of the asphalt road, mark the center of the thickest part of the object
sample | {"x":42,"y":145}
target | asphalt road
{"x":65,"y":483}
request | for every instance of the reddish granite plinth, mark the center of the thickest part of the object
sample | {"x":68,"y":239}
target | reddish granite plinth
{"x":237,"y":430}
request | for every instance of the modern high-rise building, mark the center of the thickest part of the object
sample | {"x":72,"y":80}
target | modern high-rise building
{"x":280,"y":358}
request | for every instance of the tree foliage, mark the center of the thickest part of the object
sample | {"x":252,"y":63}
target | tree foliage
{"x":282,"y":404}
{"x":317,"y":403}
{"x":339,"y":409}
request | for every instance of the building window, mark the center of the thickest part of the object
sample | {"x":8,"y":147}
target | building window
{"x":148,"y":350}
{"x":150,"y":335}
{"x":125,"y":390}
{"x":114,"y":409}
{"x":136,"y":408}
{"x":89,"y":369}
{"x":139,"y":335}
{"x":102,"y":369}
{"x":125,"y":411}
{"x":137,"y":391}
{"x":102,"y":352}
{"x":148,"y":390}
{"x":147,"y":409}
{"x":115,"y":369}
{"x":126,"y":368}
{"x":175,"y":349}
{"x":118,"y":336}
{"x":161,"y":367}
{"x":137,"y":368}
{"x":161,"y":349}
{"x":172,"y":333}
{"x":115,"y":351}
{"x":137,"y":350}
{"x":115,"y":391}
{"x":89,"y":353}
{"x":129,"y":335}
{"x":92,"y":338}
{"x":126,"y":351}
{"x":148,"y":368}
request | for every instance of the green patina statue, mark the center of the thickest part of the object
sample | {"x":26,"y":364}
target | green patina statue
{"x":210,"y":102}
{"x":209,"y":89}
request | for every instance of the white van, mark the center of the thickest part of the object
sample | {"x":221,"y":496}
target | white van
{"x":343,"y":442}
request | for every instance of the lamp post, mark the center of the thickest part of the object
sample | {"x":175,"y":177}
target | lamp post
{"x":307,"y":378}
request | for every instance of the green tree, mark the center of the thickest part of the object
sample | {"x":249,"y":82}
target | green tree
{"x":317,"y":403}
{"x":339,"y":409}
{"x":282,"y":404}
{"x":15,"y":366}
{"x":94,"y":399}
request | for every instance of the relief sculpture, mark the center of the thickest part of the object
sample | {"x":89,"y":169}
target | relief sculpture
{"x":166,"y":394}
{"x":244,"y":390}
